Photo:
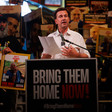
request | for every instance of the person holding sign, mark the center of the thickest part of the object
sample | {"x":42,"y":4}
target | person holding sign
{"x":62,"y":19}
{"x":10,"y":44}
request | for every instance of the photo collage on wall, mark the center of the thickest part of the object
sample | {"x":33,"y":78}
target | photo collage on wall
{"x":87,"y":20}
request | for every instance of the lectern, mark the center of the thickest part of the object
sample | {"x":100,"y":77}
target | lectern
{"x":62,"y":85}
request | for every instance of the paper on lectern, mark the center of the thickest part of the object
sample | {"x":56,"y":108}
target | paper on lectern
{"x":49,"y":45}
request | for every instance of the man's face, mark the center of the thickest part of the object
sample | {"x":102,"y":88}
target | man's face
{"x":62,"y":19}
{"x":76,"y":15}
{"x":12,"y":26}
{"x":3,"y":29}
{"x":13,"y":66}
{"x":34,"y":32}
{"x":2,"y":25}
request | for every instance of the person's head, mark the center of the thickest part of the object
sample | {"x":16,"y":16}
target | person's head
{"x":35,"y":31}
{"x":13,"y":23}
{"x":3,"y":26}
{"x":94,"y":32}
{"x":13,"y":66}
{"x":75,"y":15}
{"x":62,"y":18}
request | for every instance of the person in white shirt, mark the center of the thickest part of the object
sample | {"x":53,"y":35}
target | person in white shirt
{"x":62,"y":18}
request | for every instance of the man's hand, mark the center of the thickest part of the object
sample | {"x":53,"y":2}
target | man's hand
{"x":70,"y":51}
{"x":46,"y":56}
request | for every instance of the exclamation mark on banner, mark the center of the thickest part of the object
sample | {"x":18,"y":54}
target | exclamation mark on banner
{"x":87,"y":91}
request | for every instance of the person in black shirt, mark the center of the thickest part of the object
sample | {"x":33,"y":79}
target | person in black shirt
{"x":8,"y":97}
{"x":8,"y":28}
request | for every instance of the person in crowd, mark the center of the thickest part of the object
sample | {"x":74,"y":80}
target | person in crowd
{"x":14,"y":75}
{"x":106,"y":46}
{"x":35,"y":47}
{"x":7,"y":36}
{"x":13,"y":23}
{"x":10,"y":44}
{"x":76,"y":22}
{"x":92,"y":40}
{"x":62,"y":18}
{"x":3,"y":26}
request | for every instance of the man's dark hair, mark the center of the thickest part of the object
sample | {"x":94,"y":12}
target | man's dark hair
{"x":3,"y":18}
{"x":15,"y":16}
{"x":61,"y":9}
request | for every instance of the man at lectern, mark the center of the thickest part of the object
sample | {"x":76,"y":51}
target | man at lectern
{"x":62,"y":19}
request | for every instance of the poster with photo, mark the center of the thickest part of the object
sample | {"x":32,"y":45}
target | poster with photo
{"x":99,"y":6}
{"x":90,"y":34}
{"x":13,"y":74}
{"x":104,"y":42}
{"x":76,"y":20}
{"x":12,"y":15}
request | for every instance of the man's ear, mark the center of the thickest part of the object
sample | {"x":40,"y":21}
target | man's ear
{"x":69,"y":19}
{"x":55,"y":21}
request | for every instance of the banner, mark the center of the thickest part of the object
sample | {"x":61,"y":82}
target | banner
{"x":69,"y":3}
{"x":95,"y":18}
{"x":99,"y":6}
{"x":62,"y":85}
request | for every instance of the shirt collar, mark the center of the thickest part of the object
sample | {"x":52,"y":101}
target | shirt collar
{"x":67,"y":33}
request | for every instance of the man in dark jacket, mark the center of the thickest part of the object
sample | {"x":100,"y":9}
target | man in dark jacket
{"x":6,"y":39}
{"x":10,"y":44}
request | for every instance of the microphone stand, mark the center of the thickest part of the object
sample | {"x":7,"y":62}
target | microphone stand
{"x":82,"y":47}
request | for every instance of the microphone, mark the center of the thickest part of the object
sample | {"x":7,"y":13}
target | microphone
{"x":62,"y":38}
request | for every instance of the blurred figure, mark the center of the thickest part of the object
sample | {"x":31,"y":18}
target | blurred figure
{"x":13,"y":22}
{"x":3,"y":26}
{"x":106,"y":46}
{"x":92,"y":39}
{"x":76,"y":22}
{"x":35,"y":45}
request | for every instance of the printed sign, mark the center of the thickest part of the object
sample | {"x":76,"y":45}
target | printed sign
{"x":62,"y":85}
{"x":95,"y":18}
{"x":13,"y":74}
